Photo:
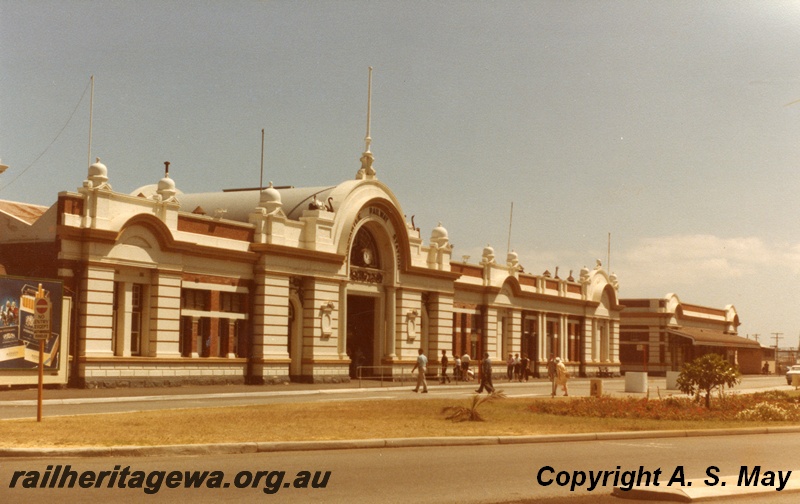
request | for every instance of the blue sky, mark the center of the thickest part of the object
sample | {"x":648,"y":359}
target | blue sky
{"x":666,"y":124}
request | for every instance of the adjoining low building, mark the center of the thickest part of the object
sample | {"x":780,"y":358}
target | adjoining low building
{"x":277,"y":284}
{"x":661,"y":334}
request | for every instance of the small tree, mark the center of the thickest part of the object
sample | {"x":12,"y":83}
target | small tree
{"x":707,"y":373}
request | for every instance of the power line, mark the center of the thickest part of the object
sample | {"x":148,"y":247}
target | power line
{"x":51,"y":143}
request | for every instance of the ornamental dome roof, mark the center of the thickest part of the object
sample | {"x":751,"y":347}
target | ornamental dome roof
{"x":270,"y":195}
{"x":166,"y":187}
{"x":439,"y":235}
{"x":98,"y":172}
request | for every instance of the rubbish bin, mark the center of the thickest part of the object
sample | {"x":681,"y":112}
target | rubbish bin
{"x":635,"y":382}
{"x":595,"y":387}
{"x":672,"y":380}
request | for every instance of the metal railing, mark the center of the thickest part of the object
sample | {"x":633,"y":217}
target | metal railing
{"x":395,"y":374}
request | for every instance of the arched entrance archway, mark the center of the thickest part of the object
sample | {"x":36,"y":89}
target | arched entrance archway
{"x":370,"y":298}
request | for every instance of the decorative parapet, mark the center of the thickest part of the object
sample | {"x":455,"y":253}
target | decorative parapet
{"x":318,"y":230}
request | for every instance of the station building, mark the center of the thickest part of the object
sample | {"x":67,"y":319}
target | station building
{"x":287,"y":283}
{"x":661,"y":334}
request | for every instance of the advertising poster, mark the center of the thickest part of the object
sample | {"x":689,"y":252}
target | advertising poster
{"x":19,"y":348}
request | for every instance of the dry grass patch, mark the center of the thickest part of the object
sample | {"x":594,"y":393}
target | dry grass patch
{"x":418,"y":417}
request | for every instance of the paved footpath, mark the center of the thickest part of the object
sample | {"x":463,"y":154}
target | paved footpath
{"x":613,"y":387}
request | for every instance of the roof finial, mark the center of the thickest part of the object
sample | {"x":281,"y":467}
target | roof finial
{"x":367,"y":171}
{"x":166,"y":169}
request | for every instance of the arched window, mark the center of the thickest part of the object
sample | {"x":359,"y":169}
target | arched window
{"x":364,"y":252}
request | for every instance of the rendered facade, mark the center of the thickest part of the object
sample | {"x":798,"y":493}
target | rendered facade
{"x":308,"y":284}
{"x":661,"y":334}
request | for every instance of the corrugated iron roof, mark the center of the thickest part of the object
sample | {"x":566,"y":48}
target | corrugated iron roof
{"x":707,"y":337}
{"x":23,"y":211}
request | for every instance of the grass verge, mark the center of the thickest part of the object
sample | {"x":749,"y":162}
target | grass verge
{"x":322,"y":421}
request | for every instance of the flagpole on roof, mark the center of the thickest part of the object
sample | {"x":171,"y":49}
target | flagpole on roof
{"x":368,"y":139}
{"x":91,"y":112}
{"x":261,"y":180}
{"x":510,"y":219}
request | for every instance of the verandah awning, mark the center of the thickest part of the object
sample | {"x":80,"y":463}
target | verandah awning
{"x":707,"y":337}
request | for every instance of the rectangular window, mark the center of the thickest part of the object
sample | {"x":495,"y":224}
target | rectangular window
{"x":552,"y":339}
{"x":231,"y":302}
{"x":240,"y":347}
{"x":195,"y":299}
{"x":204,"y":336}
{"x":224,"y":332}
{"x":185,"y":337}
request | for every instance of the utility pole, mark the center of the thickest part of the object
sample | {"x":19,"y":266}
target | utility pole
{"x":755,"y":336}
{"x":777,"y":336}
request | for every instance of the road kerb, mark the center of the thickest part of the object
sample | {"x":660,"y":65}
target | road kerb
{"x":278,"y":446}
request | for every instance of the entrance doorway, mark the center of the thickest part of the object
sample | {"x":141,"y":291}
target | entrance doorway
{"x":361,"y":334}
{"x":295,"y":340}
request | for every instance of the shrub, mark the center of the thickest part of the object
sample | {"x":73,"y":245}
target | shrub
{"x":743,"y":407}
{"x":707,"y":373}
{"x":767,"y":411}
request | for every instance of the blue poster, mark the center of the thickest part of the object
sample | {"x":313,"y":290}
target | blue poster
{"x":19,"y":348}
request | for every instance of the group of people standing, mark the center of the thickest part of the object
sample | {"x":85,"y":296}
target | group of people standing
{"x":517,"y":368}
{"x":461,"y":368}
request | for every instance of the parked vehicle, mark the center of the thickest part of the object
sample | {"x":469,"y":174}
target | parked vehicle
{"x":792,"y":371}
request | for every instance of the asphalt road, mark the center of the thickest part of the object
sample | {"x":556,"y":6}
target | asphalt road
{"x":464,"y":474}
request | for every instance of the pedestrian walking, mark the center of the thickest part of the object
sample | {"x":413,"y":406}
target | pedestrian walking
{"x":551,"y":374}
{"x":517,"y":367}
{"x":510,"y":367}
{"x":456,"y":367}
{"x":563,"y":374}
{"x":444,"y":368}
{"x":524,"y":364}
{"x":422,"y":366}
{"x":486,"y":375}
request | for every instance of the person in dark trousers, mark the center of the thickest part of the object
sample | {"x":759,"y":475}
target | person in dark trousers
{"x":486,"y":375}
{"x":444,"y":368}
{"x":525,"y":365}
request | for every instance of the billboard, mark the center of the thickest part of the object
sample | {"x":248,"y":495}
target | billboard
{"x":19,"y":347}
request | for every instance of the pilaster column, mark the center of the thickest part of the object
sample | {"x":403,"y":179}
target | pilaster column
{"x":440,"y":317}
{"x":390,"y":349}
{"x":124,"y":319}
{"x":165,"y":312}
{"x":96,"y":307}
